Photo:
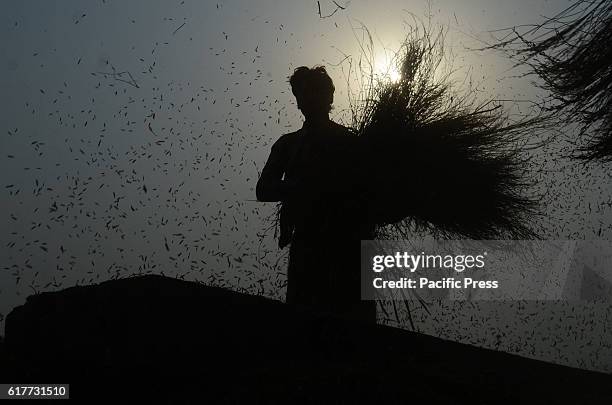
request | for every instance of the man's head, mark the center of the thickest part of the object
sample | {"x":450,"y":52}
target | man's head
{"x":313,"y":89}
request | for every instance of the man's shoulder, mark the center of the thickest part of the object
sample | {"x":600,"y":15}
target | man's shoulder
{"x":341,"y":128}
{"x":342,"y":135}
{"x":335,"y":130}
{"x":290,"y":136}
{"x":287,"y":139}
{"x":341,"y":131}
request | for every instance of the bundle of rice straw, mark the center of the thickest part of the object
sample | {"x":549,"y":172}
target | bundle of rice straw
{"x":571,"y":54}
{"x":438,"y":162}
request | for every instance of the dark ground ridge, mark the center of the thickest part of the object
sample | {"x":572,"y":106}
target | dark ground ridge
{"x":165,"y":340}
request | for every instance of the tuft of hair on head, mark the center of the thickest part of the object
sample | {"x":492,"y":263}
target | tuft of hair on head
{"x":313,"y":84}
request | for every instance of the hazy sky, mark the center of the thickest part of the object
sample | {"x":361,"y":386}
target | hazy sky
{"x":153,"y":168}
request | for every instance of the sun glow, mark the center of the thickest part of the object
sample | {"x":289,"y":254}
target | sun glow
{"x":385,"y":67}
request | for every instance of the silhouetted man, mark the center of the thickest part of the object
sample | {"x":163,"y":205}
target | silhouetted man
{"x":314,"y":173}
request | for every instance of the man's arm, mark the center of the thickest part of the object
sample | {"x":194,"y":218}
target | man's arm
{"x":271,"y":186}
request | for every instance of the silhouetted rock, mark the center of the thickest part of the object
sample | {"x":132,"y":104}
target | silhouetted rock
{"x":167,"y":340}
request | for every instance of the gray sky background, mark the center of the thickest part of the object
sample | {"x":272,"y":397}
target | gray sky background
{"x":101,"y":178}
